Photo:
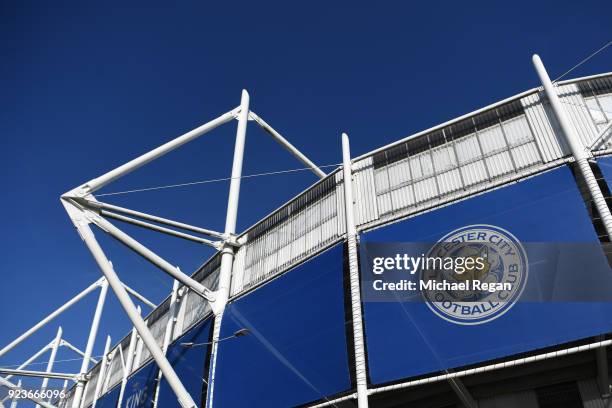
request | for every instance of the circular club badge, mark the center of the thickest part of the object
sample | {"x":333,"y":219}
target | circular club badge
{"x":488,"y":274}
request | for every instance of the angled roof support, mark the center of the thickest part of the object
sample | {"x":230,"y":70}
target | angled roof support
{"x":288,"y":146}
{"x":99,"y":182}
{"x":33,"y":373}
{"x":52,"y":316}
{"x":11,"y":386}
{"x":215,"y":244}
{"x":139,"y":296}
{"x":83,"y":226}
{"x":101,"y":376}
{"x":160,"y":220}
{"x":56,"y":343}
{"x":70,"y":346}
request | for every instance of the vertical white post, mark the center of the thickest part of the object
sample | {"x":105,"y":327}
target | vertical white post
{"x":172,"y":313}
{"x":351,"y":235}
{"x":227,"y":253}
{"x":54,"y":347}
{"x":579,"y":151}
{"x":102,"y":372}
{"x":93,"y":331}
{"x":129,"y":362}
{"x":175,"y":383}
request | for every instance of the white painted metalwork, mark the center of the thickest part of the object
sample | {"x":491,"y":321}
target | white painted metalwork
{"x":51,"y":361}
{"x":576,"y":145}
{"x":227,"y":252}
{"x":351,"y":236}
{"x":11,"y":386}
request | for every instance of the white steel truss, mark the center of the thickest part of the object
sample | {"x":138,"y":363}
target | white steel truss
{"x":84,"y":210}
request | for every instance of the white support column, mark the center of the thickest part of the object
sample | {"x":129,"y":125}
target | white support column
{"x":578,"y":150}
{"x":351,"y":235}
{"x":56,"y":343}
{"x":227,"y":253}
{"x":172,"y":313}
{"x":93,"y":331}
{"x":129,"y":361}
{"x":50,"y":317}
{"x":175,"y":383}
{"x":102,"y":372}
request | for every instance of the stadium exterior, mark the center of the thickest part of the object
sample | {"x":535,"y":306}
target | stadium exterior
{"x":537,"y":169}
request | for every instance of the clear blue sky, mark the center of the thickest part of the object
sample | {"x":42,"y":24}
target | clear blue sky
{"x":86,"y":87}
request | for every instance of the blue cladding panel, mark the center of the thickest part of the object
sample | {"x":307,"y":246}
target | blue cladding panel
{"x":189,"y":364}
{"x":605,"y":163}
{"x":109,"y":400}
{"x":296,"y":351}
{"x":407,"y":339}
{"x":140,"y":387}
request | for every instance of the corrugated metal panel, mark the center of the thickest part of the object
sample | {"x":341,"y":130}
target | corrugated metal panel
{"x":578,"y":113}
{"x":590,"y":394}
{"x":366,"y":208}
{"x":91,"y":385}
{"x":545,"y":128}
{"x":462,"y":157}
{"x":295,"y":231}
{"x":523,"y":399}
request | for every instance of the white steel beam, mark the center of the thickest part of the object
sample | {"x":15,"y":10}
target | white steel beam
{"x":174,"y":382}
{"x":151,"y":256}
{"x":172,"y":313}
{"x":287,"y":145}
{"x":351,"y":236}
{"x":93,"y":332}
{"x":72,"y":347}
{"x":227,"y":253}
{"x":56,"y":342}
{"x":34,"y":357}
{"x":581,"y":155}
{"x":34,"y":373}
{"x":102,"y":373}
{"x":11,"y":386}
{"x":50,"y":317}
{"x":129,"y":361}
{"x":140,"y":161}
{"x":139,"y":296}
{"x":105,"y":206}
{"x":163,"y":230}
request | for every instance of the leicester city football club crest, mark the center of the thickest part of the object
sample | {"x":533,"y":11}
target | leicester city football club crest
{"x":485,"y":276}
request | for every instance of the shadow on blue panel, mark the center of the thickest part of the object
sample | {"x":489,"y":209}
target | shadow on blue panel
{"x":407,"y":339}
{"x":189,"y":364}
{"x":296,"y":350}
{"x":140,"y":387}
{"x":109,"y":400}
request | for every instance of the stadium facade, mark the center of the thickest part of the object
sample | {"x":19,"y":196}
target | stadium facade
{"x":508,"y":166}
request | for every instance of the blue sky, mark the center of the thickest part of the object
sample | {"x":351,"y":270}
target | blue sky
{"x":86,"y":87}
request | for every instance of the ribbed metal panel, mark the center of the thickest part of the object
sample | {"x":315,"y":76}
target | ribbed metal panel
{"x":366,"y":208}
{"x":91,"y":385}
{"x":157,"y":322}
{"x":545,"y":128}
{"x":590,"y":394}
{"x":578,"y":113}
{"x":194,"y":307}
{"x":295,"y":231}
{"x":523,"y":399}
{"x":115,"y":369}
{"x":462,"y":157}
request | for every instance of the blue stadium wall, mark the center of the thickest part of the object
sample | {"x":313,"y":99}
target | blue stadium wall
{"x":299,"y":348}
